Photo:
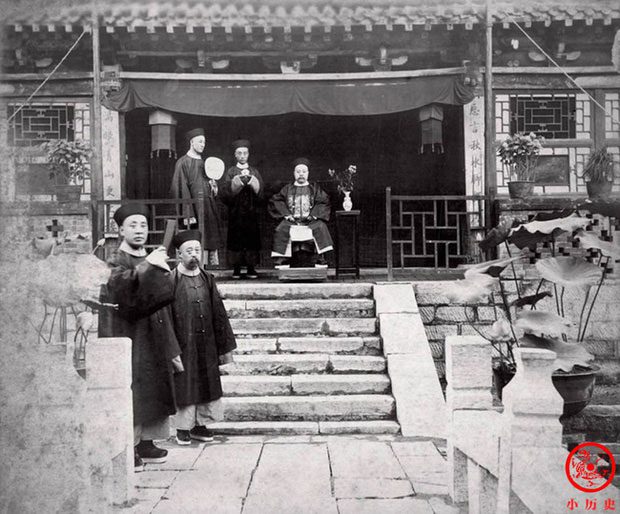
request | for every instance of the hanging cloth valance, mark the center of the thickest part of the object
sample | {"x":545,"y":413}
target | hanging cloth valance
{"x":268,"y":98}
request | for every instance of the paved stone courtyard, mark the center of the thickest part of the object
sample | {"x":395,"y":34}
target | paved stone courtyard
{"x":380,"y":474}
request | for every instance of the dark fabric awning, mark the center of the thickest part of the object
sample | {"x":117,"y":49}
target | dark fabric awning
{"x":267,"y":98}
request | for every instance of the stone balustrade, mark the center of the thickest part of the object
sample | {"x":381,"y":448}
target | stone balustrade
{"x":513,"y":461}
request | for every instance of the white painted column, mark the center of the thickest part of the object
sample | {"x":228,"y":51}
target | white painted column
{"x":111,"y":154}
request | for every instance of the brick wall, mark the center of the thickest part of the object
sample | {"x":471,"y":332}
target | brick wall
{"x":443,"y":317}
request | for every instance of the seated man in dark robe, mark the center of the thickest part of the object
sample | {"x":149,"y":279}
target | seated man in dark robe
{"x":206,"y":339}
{"x":140,"y":285}
{"x":300,"y":205}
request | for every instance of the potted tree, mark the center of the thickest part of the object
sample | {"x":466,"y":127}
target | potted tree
{"x":519,"y":319}
{"x":69,"y":166}
{"x":519,"y":154}
{"x":598,"y":173}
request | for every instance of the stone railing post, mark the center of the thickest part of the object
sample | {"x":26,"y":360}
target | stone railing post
{"x":469,"y":377}
{"x":532,"y":407}
{"x":109,"y":415}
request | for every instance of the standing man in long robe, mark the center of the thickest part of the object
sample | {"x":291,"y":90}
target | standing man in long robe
{"x":206,"y":338}
{"x":301,"y":203}
{"x":190,"y":181}
{"x":141,"y":286}
{"x":242,"y":190}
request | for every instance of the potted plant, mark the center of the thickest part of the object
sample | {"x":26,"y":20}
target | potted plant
{"x":345,"y":184}
{"x":598,"y":173}
{"x":519,"y":319}
{"x":69,"y":166}
{"x":519,"y":154}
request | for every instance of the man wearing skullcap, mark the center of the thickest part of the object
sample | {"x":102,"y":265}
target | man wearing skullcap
{"x":141,"y":287}
{"x":206,"y":339}
{"x":301,"y":203}
{"x":242,"y":191}
{"x":190,"y":181}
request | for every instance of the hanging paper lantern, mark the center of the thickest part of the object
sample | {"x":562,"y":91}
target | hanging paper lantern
{"x":431,"y":120}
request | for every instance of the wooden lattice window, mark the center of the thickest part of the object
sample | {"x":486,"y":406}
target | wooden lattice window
{"x":552,"y":116}
{"x":36,"y":124}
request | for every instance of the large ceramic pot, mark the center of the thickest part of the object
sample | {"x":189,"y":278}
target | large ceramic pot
{"x":598,"y":189}
{"x":576,"y":387}
{"x":522,"y":189}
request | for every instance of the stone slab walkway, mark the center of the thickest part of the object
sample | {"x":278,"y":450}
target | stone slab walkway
{"x":379,"y":474}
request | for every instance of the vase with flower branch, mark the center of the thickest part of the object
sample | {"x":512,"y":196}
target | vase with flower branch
{"x":344,"y":179}
{"x":519,"y":155}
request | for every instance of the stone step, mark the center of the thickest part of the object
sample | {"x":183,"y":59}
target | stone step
{"x":300,"y":326}
{"x":265,"y":385}
{"x":309,"y":408}
{"x":369,"y":345}
{"x":305,"y":427}
{"x":288,"y":364}
{"x":301,"y":308}
{"x":265,"y":291}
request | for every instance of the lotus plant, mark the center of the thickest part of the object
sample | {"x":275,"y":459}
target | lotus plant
{"x":519,"y":322}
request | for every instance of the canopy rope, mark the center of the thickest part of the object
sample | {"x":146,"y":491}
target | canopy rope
{"x":27,"y":102}
{"x":512,"y":20}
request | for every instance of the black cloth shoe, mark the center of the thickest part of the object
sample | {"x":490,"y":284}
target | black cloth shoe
{"x":236,"y":272}
{"x":138,"y":463}
{"x":251,"y":272}
{"x":183,"y":438}
{"x":201,"y":433}
{"x":150,"y":453}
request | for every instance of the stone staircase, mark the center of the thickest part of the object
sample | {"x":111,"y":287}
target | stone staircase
{"x":309,"y":361}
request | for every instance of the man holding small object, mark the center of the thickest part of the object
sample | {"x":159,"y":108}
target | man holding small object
{"x":190,"y":181}
{"x":242,"y":190}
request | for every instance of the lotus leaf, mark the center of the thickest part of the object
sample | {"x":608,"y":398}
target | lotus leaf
{"x":569,"y":271}
{"x":532,"y":299}
{"x":534,"y":232}
{"x":474,"y":289}
{"x":490,"y":268}
{"x":589,"y":240}
{"x":568,"y":355}
{"x":500,"y":330}
{"x":542,"y":323}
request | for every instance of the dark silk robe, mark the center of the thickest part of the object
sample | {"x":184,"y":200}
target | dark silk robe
{"x":319,"y":208}
{"x":204,"y":333}
{"x":189,"y":181}
{"x":143,"y":293}
{"x":243,"y":212}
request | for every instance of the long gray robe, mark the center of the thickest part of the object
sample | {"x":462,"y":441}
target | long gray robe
{"x":189,"y":181}
{"x":204,"y":333}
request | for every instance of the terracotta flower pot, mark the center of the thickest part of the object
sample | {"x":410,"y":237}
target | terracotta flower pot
{"x":598,"y":189}
{"x":522,"y":189}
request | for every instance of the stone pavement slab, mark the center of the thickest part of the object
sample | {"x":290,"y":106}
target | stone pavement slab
{"x":372,"y":488}
{"x":179,"y":457}
{"x":291,"y":478}
{"x":414,"y":448}
{"x":155,"y":479}
{"x":218,"y":484}
{"x":385,"y":506}
{"x":352,"y":459}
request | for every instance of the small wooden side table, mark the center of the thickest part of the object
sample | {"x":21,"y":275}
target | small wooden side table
{"x":347,"y":243}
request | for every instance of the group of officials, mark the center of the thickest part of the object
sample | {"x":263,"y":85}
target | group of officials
{"x":242,"y":190}
{"x":176,"y":320}
{"x":179,"y":330}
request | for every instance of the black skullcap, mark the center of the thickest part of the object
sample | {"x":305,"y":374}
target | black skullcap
{"x":124,"y":211}
{"x":194,"y":133}
{"x":186,"y":235}
{"x":301,"y":160}
{"x":241,"y":143}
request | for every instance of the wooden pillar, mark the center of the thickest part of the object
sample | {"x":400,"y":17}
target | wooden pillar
{"x":489,"y":117}
{"x":96,"y":163}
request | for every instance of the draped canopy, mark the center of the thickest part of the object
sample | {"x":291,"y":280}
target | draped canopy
{"x":351,"y":97}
